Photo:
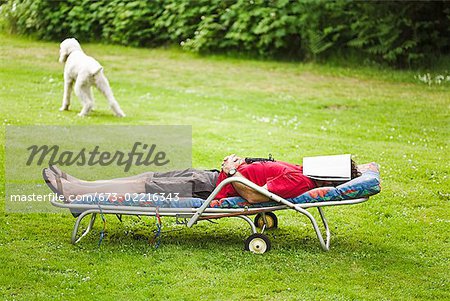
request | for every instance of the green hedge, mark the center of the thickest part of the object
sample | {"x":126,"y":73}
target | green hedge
{"x":394,"y":32}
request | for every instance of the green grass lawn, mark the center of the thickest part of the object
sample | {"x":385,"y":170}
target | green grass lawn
{"x":393,"y":247}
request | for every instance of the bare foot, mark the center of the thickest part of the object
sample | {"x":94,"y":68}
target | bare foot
{"x":64,"y":175}
{"x":55,"y":183}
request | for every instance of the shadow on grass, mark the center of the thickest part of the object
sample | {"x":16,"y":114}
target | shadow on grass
{"x":103,"y":114}
{"x":140,"y":234}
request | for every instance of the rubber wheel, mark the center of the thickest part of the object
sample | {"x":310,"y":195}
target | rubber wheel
{"x":271,"y":219}
{"x":257,"y":243}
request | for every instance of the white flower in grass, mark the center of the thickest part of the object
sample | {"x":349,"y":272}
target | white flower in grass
{"x":439,"y":79}
{"x":427,"y":78}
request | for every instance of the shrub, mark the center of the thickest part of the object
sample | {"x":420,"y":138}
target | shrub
{"x":394,"y":32}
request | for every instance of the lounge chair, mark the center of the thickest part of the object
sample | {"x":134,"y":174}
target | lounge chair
{"x":192,"y":210}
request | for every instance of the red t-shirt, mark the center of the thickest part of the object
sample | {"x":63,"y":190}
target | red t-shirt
{"x":284,"y":179}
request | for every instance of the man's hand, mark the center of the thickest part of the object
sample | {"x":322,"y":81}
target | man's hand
{"x":230,"y":162}
{"x":233,"y":161}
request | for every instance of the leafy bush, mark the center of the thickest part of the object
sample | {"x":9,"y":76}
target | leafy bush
{"x":395,"y":32}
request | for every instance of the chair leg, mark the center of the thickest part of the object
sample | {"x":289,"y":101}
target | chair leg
{"x":77,"y":226}
{"x":324,"y":243}
{"x":327,"y":229}
{"x":250,"y":222}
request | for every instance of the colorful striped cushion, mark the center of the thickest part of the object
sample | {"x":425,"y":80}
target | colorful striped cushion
{"x":363,"y":186}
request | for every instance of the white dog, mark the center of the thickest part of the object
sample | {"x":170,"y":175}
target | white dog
{"x":85,"y":71}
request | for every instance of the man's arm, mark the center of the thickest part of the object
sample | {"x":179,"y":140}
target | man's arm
{"x":251,"y":195}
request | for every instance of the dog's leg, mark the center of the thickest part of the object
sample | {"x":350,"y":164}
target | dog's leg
{"x":68,"y":84}
{"x":103,"y":85}
{"x":83,"y":91}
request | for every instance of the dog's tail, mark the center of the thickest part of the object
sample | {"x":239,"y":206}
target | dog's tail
{"x":103,"y":85}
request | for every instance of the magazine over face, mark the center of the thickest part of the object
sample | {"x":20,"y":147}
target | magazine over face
{"x":328,"y":168}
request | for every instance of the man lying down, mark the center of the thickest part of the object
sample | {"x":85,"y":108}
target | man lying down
{"x":284,"y":179}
